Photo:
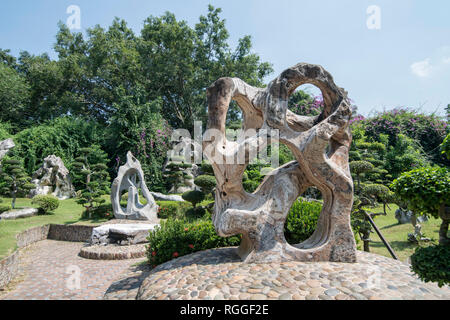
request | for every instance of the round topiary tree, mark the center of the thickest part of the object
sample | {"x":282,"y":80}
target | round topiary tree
{"x":46,"y":203}
{"x":194,"y":197}
{"x":90,"y":168}
{"x":427,"y":191}
{"x":360,"y":167}
{"x":206,"y":182}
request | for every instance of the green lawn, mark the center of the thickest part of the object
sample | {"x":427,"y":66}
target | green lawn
{"x":397,"y":234}
{"x":69,"y":212}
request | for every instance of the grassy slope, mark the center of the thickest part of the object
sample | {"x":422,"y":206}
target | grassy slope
{"x":397,"y":234}
{"x":69,"y":212}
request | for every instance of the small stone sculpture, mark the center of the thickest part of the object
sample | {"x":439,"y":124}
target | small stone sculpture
{"x":130,"y":179}
{"x":406,"y":216}
{"x":320,"y":145}
{"x":53,"y":178}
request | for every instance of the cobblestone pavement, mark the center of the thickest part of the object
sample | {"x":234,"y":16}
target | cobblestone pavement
{"x":219,"y":274}
{"x":48,"y":267}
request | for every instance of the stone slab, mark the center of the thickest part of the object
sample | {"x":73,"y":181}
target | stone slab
{"x":16,"y":214}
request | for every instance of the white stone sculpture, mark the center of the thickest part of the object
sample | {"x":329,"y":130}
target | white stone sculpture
{"x":53,"y":178}
{"x":130,"y":179}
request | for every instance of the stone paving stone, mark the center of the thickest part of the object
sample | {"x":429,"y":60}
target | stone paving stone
{"x":46,"y":265}
{"x":291,"y":280}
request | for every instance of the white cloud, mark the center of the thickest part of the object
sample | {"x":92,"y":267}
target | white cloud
{"x":446,"y":60}
{"x":422,"y":68}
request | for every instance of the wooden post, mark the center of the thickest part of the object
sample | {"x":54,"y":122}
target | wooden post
{"x":391,"y":251}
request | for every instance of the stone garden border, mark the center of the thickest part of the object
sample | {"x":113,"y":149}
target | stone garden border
{"x":9,"y":266}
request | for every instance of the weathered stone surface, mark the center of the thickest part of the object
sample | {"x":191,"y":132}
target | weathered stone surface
{"x":113,"y":252}
{"x":53,"y":178}
{"x":123,"y":234}
{"x":165,"y":197}
{"x":16,"y":214}
{"x":130,"y":179}
{"x":5,"y":146}
{"x":406,"y":216}
{"x":320,"y":145}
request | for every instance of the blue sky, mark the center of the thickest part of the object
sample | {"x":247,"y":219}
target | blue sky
{"x":404,"y":63}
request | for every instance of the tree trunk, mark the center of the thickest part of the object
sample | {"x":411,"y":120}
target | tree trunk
{"x":13,"y":202}
{"x":366,"y":246}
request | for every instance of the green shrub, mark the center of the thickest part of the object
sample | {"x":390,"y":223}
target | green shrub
{"x":432,"y":264}
{"x":250,"y":185}
{"x":195,"y":213}
{"x":103,"y":211}
{"x":176,"y":238}
{"x":194,"y":197}
{"x":301,"y":221}
{"x":206,"y":182}
{"x":46,"y":203}
{"x":172,"y":209}
{"x":4,"y":208}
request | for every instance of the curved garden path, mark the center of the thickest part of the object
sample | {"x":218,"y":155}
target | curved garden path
{"x":45,"y":273}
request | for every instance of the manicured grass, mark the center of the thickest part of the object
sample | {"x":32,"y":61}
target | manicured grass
{"x":397,"y":234}
{"x":69,"y":212}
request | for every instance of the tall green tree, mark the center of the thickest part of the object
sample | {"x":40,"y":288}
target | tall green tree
{"x":14,"y":180}
{"x":90,"y":169}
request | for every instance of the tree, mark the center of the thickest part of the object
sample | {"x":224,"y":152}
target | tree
{"x":14,"y":179}
{"x":90,"y":168}
{"x":445,"y":146}
{"x":194,"y":197}
{"x":14,"y":95}
{"x":427,"y":192}
{"x":360,"y":167}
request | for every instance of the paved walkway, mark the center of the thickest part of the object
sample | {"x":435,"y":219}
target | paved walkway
{"x":50,"y":271}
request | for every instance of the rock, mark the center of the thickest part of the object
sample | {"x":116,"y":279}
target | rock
{"x":53,"y":178}
{"x":164,"y":197}
{"x":260,"y":217}
{"x":406,"y":216}
{"x":131,"y":178}
{"x":122,"y":234}
{"x":5,"y":146}
{"x":16,"y":214}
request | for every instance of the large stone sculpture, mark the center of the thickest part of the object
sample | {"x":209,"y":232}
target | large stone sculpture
{"x":320,"y":145}
{"x":53,"y":178}
{"x":130,"y":178}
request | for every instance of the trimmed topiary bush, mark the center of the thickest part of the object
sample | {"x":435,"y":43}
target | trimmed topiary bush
{"x":103,"y":211}
{"x":194,"y":197}
{"x":172,"y":209}
{"x":427,"y":192}
{"x":432,"y":263}
{"x":176,"y":238}
{"x":46,"y":203}
{"x":206,"y":182}
{"x":301,"y":221}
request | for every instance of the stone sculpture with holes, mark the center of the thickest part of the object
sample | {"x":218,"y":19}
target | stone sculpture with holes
{"x":320,"y":145}
{"x":130,"y":178}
